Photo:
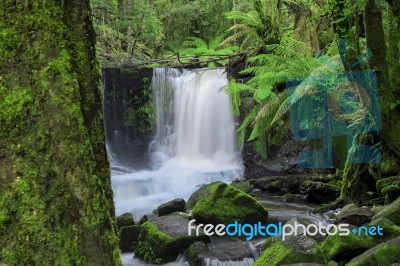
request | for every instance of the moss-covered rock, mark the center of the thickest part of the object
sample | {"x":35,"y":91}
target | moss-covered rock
{"x":242,"y":185}
{"x":176,"y":205}
{"x":383,"y":254}
{"x":128,"y":237}
{"x":164,"y":239}
{"x":125,"y":219}
{"x":391,"y":193}
{"x":296,"y":249}
{"x":344,"y":248}
{"x":391,"y":212}
{"x":390,"y":229}
{"x":384,"y":182}
{"x":224,"y":204}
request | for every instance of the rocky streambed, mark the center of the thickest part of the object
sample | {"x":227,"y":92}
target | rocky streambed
{"x":162,"y":237}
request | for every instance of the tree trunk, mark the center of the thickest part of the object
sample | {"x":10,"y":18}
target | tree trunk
{"x":56,"y":202}
{"x":358,"y":178}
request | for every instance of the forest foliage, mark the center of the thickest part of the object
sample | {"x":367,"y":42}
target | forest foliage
{"x":277,"y":40}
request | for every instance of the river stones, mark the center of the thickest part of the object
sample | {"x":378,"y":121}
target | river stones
{"x":219,"y":203}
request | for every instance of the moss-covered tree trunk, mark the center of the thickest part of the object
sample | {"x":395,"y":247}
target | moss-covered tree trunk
{"x":358,"y":178}
{"x":56,"y":202}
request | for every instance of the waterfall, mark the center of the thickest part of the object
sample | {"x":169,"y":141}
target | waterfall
{"x":194,"y":142}
{"x":194,"y":120}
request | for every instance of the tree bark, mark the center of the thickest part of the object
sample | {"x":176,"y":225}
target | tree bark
{"x":56,"y":201}
{"x":358,"y":178}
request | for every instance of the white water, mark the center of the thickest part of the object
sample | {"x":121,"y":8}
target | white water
{"x":194,"y":144}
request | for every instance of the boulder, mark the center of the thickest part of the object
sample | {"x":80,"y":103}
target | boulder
{"x":343,"y":248}
{"x":390,"y":229}
{"x":224,"y":204}
{"x":320,"y":192}
{"x":391,"y":193}
{"x":352,"y":214}
{"x":162,"y":240}
{"x":125,"y":219}
{"x":176,"y":205}
{"x":391,"y":212}
{"x":295,"y":249}
{"x":386,"y":253}
{"x":128,"y":237}
{"x":221,"y":249}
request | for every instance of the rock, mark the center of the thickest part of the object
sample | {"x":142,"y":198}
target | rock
{"x":381,"y":255}
{"x":176,"y":205}
{"x":282,"y":183}
{"x":197,"y":195}
{"x":242,"y":185}
{"x":320,"y":192}
{"x":391,"y":193}
{"x":381,"y":184}
{"x":125,"y":219}
{"x":352,"y":214}
{"x":391,"y":212}
{"x":390,"y":230}
{"x":343,"y":248}
{"x":224,"y":204}
{"x":220,"y":249}
{"x":295,"y":249}
{"x":128,"y":237}
{"x":143,"y":219}
{"x":162,"y":240}
{"x":296,"y":198}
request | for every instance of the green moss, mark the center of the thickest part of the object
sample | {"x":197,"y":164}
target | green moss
{"x":225,"y":204}
{"x":52,"y":155}
{"x":391,"y":193}
{"x":344,"y":247}
{"x":274,"y":255}
{"x":381,"y":184}
{"x":158,"y":247}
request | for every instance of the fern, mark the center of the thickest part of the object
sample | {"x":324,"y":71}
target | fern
{"x":194,"y":46}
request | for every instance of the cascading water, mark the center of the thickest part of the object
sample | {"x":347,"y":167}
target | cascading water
{"x":194,"y":142}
